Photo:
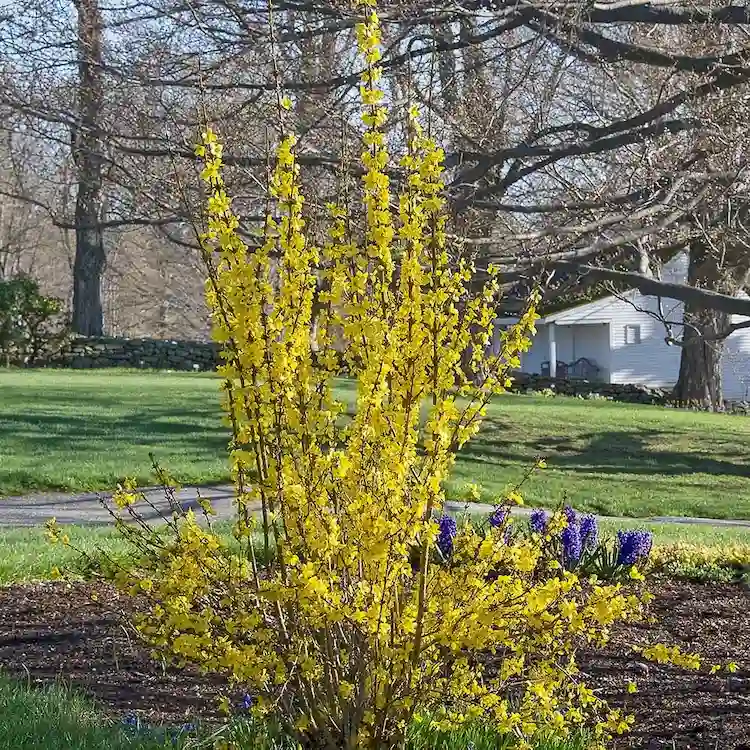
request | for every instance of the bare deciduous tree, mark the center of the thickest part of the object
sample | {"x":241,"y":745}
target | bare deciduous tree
{"x":575,"y":133}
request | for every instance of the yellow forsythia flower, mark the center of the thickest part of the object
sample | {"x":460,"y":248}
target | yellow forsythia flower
{"x":359,"y":599}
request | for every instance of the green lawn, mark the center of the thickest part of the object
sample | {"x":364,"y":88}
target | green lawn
{"x":28,"y":556}
{"x":83,"y":430}
{"x":55,"y":717}
{"x":615,"y":459}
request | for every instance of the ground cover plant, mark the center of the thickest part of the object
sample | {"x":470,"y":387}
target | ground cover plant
{"x":87,"y":430}
{"x":54,"y":717}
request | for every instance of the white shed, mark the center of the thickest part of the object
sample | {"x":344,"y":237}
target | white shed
{"x":616,"y":340}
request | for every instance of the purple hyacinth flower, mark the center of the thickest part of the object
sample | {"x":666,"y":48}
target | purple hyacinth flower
{"x":589,"y":531}
{"x":647,"y":543}
{"x":633,"y":545}
{"x":627,"y":547}
{"x":538,"y":521}
{"x":570,"y":516}
{"x":247,"y":702}
{"x":571,"y":542}
{"x":498,"y":516}
{"x":447,"y":530}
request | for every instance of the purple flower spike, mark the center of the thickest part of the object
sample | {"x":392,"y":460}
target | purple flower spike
{"x":448,"y":529}
{"x":498,"y":516}
{"x":570,"y":516}
{"x":571,"y":541}
{"x":633,"y":545}
{"x":538,"y":521}
{"x":589,"y":531}
{"x":247,"y":702}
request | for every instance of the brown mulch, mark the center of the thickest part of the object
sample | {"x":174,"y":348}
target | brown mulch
{"x":57,"y":631}
{"x":676,"y":707}
{"x":54,"y":630}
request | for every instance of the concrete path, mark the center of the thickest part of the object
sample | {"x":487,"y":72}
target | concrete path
{"x":86,"y":509}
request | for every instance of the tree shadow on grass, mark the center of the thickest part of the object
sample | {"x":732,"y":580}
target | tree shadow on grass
{"x":609,"y":452}
{"x":37,"y":450}
{"x":151,"y":427}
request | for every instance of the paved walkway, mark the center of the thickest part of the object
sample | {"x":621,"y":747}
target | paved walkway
{"x":86,"y":509}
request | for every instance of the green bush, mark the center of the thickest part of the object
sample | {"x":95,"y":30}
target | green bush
{"x":32,"y":325}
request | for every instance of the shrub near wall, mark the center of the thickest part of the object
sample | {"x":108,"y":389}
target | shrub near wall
{"x":86,"y":353}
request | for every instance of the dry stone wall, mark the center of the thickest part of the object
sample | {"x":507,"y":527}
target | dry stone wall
{"x":199,"y":356}
{"x":633,"y":394}
{"x":636,"y":394}
{"x":86,"y":353}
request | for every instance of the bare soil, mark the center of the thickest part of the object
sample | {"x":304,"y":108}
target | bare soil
{"x":56,"y":630}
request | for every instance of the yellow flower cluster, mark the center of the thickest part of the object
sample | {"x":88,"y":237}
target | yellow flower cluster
{"x":310,"y":641}
{"x":126,"y":494}
{"x":662,"y":654}
{"x":724,"y":555}
{"x":342,"y":621}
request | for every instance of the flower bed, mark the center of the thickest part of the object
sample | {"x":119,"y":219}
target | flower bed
{"x":57,"y":629}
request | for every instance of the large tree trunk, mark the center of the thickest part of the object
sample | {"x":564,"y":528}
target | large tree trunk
{"x":89,"y":259}
{"x":87,"y":271}
{"x":699,"y":382}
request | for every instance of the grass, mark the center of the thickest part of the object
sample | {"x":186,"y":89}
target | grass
{"x":614,"y":459}
{"x":57,"y":718}
{"x":85,"y":430}
{"x":28,"y":556}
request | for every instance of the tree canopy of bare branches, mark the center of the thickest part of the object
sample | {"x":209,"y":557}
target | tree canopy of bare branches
{"x":585,"y":142}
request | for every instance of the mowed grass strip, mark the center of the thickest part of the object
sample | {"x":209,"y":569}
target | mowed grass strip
{"x":28,"y":556}
{"x":86,"y":430}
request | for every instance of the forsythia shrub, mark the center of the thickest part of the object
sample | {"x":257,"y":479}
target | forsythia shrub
{"x":348,"y":618}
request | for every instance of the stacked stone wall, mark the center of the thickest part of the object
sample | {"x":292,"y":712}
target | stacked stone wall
{"x":201,"y":356}
{"x":88,"y":353}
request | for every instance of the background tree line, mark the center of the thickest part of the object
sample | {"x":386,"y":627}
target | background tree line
{"x":586,"y":143}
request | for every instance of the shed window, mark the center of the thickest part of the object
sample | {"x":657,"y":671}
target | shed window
{"x":632,"y":334}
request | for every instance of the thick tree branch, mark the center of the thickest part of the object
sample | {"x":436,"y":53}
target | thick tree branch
{"x":657,"y":288}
